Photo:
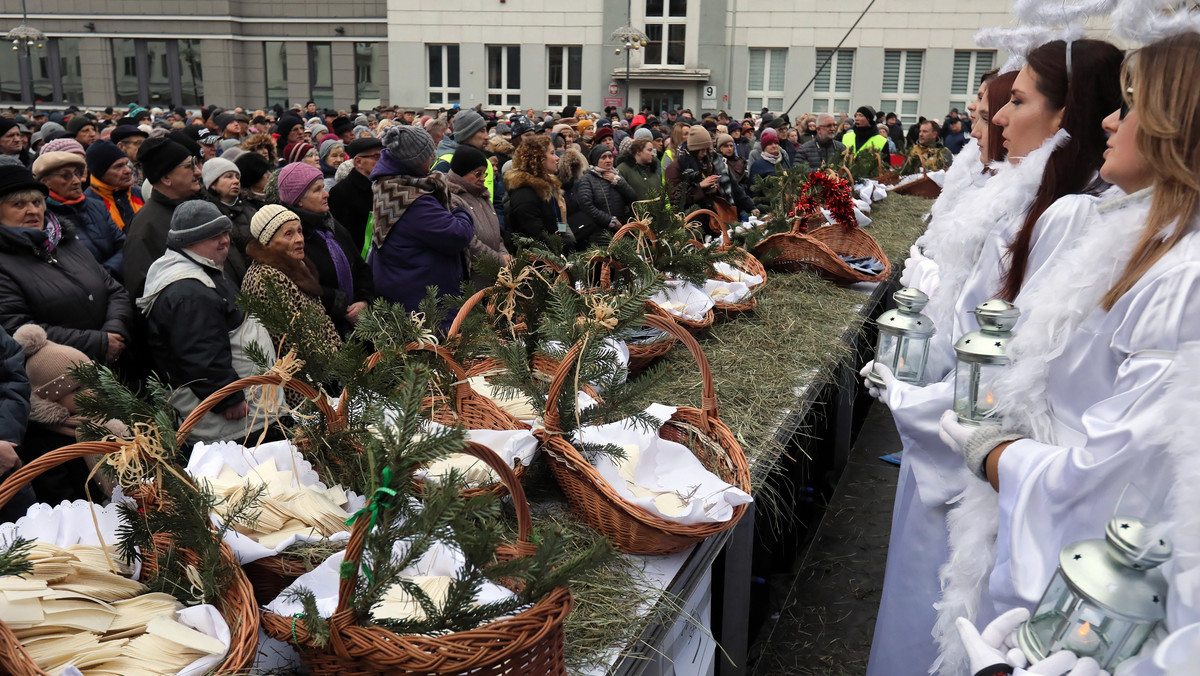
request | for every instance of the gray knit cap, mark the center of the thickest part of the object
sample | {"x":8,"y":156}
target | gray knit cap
{"x":195,"y":221}
{"x":643,"y":132}
{"x":467,"y":124}
{"x":408,"y":144}
{"x":328,"y":146}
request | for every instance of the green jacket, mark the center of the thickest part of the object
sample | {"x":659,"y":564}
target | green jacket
{"x":642,"y":178}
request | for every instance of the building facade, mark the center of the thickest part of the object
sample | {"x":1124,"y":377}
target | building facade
{"x":914,"y":57}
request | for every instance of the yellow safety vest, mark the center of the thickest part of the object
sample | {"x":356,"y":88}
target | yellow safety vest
{"x":489,"y":178}
{"x":878,"y":142}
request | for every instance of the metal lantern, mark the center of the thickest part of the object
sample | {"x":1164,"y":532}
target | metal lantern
{"x":904,"y":335}
{"x":1105,"y":599}
{"x":981,"y":357}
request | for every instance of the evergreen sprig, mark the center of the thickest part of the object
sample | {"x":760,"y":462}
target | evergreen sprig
{"x":14,"y":557}
{"x":104,"y":397}
{"x":678,"y":252}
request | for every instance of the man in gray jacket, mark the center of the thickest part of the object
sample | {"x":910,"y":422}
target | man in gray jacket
{"x":817,"y":151}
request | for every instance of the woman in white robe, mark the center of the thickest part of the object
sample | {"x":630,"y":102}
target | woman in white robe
{"x":1119,"y":414}
{"x":971,"y":271}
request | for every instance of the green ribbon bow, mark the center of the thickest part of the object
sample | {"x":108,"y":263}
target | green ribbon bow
{"x":378,"y":501}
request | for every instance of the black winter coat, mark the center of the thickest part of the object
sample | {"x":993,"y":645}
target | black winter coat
{"x":146,"y":239}
{"x":69,"y":294}
{"x":531,"y":207}
{"x":189,"y":327}
{"x":14,"y":390}
{"x":350,"y":203}
{"x":814,"y":153}
{"x":94,"y":226}
{"x":335,"y":300}
{"x":601,"y":201}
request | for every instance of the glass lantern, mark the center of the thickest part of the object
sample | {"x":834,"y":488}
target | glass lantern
{"x":981,"y":358}
{"x":904,"y":335}
{"x":1105,"y":599}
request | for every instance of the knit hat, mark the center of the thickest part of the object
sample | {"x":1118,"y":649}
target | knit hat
{"x":158,"y":156}
{"x":253,"y":167}
{"x":318,"y":130}
{"x":643,"y":132}
{"x":698,"y":138}
{"x":360,"y":145}
{"x":63,"y":145}
{"x":768,"y":136}
{"x":521,"y":126}
{"x":222,"y":120}
{"x":17,"y":177}
{"x":722,"y":139}
{"x":101,"y":155}
{"x":601,"y":134}
{"x":637,"y":121}
{"x":328,"y":146}
{"x":467,"y":159}
{"x":868,"y":112}
{"x":48,"y":163}
{"x":598,"y":151}
{"x":195,"y":221}
{"x":408,"y":144}
{"x":232,"y":154}
{"x":466,"y":124}
{"x":294,"y":180}
{"x":6,"y":124}
{"x":47,"y":365}
{"x":268,"y":220}
{"x":362,"y":121}
{"x":50,"y":130}
{"x":77,"y":123}
{"x":294,"y":152}
{"x":286,"y":124}
{"x":124,"y":131}
{"x":215,"y":169}
{"x":341,"y":125}
{"x":228,"y":143}
{"x":503,"y":128}
{"x":585,"y":124}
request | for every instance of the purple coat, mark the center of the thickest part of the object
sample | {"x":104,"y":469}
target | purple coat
{"x":426,"y":247}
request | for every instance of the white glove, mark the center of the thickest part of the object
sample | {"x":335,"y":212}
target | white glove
{"x":884,"y":373}
{"x":996,"y":643}
{"x":953,"y":433}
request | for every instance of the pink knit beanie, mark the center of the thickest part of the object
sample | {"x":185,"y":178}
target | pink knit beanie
{"x":63,"y":145}
{"x":294,"y":179}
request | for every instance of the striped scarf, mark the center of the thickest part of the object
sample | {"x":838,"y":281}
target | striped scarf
{"x":109,"y":196}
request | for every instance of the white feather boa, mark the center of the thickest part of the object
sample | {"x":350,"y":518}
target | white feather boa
{"x":1005,"y":196}
{"x":1064,"y":296}
{"x":959,"y":177}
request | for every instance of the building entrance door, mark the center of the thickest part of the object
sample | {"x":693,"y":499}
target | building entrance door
{"x":662,"y":99}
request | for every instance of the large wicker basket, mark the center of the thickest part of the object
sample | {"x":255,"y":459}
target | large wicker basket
{"x":530,"y":642}
{"x":922,"y":187}
{"x":643,"y":231}
{"x":632,"y":529}
{"x":746,"y":262}
{"x":237,"y":604}
{"x":822,"y":249}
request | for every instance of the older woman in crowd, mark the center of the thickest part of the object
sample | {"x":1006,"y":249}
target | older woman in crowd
{"x":330,"y":157}
{"x":420,"y":237}
{"x":468,"y":169}
{"x":111,"y":181}
{"x":50,"y":278}
{"x":63,"y":175}
{"x":222,"y":180}
{"x":346,"y":283}
{"x":603,"y":196}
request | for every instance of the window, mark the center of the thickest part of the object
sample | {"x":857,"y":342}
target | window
{"x":158,"y":72}
{"x":49,"y":73}
{"x":70,"y":69}
{"x":969,"y":66}
{"x":276,"y":70}
{"x":902,"y":83}
{"x":666,"y":28}
{"x":366,"y":77}
{"x":443,"y":74}
{"x":320,"y":74}
{"x":765,"y":87}
{"x":564,"y":84}
{"x":504,"y":75}
{"x":831,"y":89}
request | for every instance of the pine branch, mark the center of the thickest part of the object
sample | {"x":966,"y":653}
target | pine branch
{"x":14,"y":558}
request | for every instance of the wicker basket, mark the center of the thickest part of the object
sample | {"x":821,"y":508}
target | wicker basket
{"x":746,"y":262}
{"x":530,"y":642}
{"x":272,"y":574}
{"x":468,"y":408}
{"x":632,"y":529}
{"x":643,"y":231}
{"x":237,"y":604}
{"x":922,"y":187}
{"x":821,"y":249}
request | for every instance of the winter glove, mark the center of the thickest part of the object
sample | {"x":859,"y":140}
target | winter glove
{"x":883,"y":373}
{"x":973,"y":444}
{"x":568,"y":240}
{"x":991,"y":649}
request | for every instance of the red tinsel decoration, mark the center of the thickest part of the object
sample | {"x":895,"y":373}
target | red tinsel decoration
{"x":831,"y":190}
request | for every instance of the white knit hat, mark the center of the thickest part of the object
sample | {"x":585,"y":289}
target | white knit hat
{"x":268,"y":220}
{"x":216,"y":168}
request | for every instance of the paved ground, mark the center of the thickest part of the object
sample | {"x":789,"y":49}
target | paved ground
{"x":827,"y":615}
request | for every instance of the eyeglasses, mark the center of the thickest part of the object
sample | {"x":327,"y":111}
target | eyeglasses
{"x":68,"y":174}
{"x":189,"y":164}
{"x":1126,"y":106}
{"x":831,"y":125}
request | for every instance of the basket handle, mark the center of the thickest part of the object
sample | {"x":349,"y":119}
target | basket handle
{"x":462,"y":389}
{"x":708,"y":395}
{"x":333,"y":421}
{"x":475,"y":299}
{"x":358,"y":533}
{"x":712,"y":218}
{"x":635,"y":226}
{"x":48,"y":461}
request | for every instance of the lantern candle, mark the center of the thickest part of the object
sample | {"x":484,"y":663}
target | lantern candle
{"x":981,"y":356}
{"x":904,"y":335}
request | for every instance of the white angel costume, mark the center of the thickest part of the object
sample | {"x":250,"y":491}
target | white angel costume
{"x":970,"y":266}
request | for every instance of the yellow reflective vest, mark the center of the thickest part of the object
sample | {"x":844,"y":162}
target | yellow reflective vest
{"x":877,"y":142}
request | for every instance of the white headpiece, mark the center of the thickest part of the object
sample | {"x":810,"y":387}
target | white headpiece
{"x":1041,"y":21}
{"x":1144,"y":21}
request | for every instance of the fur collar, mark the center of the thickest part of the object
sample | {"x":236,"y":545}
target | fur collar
{"x":544,"y":187}
{"x":302,"y":273}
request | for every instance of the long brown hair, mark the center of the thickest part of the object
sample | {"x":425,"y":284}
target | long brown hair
{"x":998,"y":92}
{"x":1086,"y":96}
{"x":1165,"y":79}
